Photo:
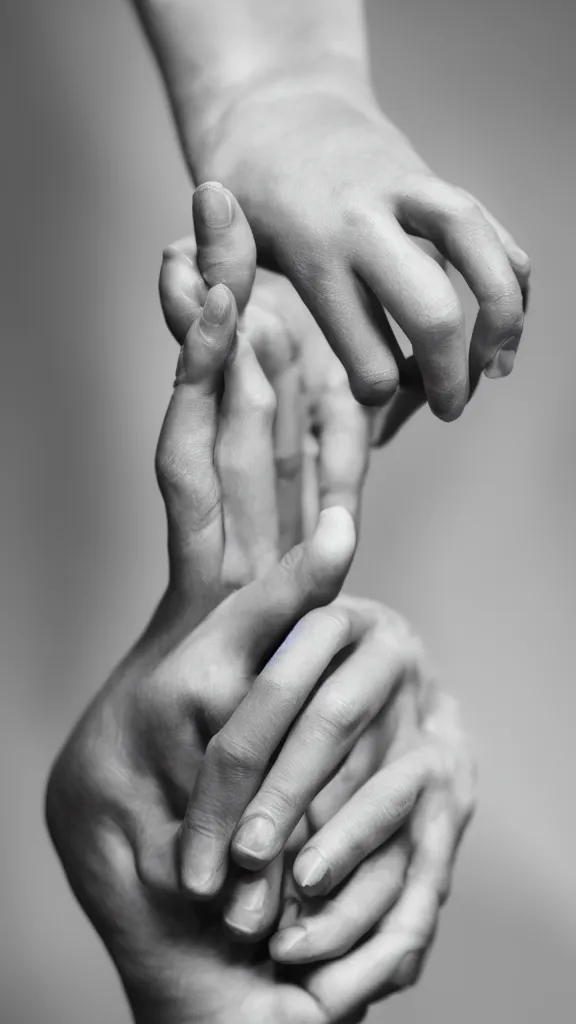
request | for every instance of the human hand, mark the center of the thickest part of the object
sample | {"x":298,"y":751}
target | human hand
{"x":335,"y":195}
{"x":119,"y":789}
{"x":386,"y":837}
{"x":118,"y":792}
{"x":384,"y":830}
{"x":321,"y":433}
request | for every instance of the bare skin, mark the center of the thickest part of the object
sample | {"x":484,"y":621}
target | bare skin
{"x":182,"y":705}
{"x":274,"y":101}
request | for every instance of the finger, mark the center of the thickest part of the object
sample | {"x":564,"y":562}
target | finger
{"x":238,"y":757}
{"x":310,"y":485}
{"x":362,"y":761}
{"x":435,"y":833}
{"x":181,"y":287}
{"x":185,"y":454}
{"x":441,"y":720}
{"x":288,"y":448}
{"x":341,"y":922}
{"x":260,"y":616}
{"x":519,"y":259}
{"x":154,"y":837}
{"x":409,"y":397}
{"x":254,"y":905}
{"x":272,"y":343}
{"x":385,"y":963}
{"x":245,"y":462}
{"x":357,"y":331}
{"x":367,"y":821}
{"x":337,"y":715}
{"x":456,"y":224}
{"x":226,"y":248}
{"x":342,"y":427}
{"x":414,"y":289}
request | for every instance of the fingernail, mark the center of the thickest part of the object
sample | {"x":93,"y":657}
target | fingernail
{"x":287,"y":942}
{"x":215,"y":205}
{"x":200,"y":868}
{"x":255,"y":836}
{"x":215,"y":310}
{"x":249,"y":901}
{"x":312,"y":871}
{"x":503,"y":362}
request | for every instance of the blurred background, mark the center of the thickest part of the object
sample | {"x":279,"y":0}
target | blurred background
{"x":468,"y":529}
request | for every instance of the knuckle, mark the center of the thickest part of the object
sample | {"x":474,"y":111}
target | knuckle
{"x":228,"y":756}
{"x":462,"y":205}
{"x":282,"y":799}
{"x":337,"y":718}
{"x":182,"y":471}
{"x":278,"y":694}
{"x":506,"y":312}
{"x":332,"y":621}
{"x":399,"y":800}
{"x":355,"y":209}
{"x":444,"y":319}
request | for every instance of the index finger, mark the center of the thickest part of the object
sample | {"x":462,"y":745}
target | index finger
{"x":238,"y":756}
{"x":343,"y":432}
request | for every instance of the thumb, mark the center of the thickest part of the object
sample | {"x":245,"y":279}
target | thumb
{"x":311,"y":574}
{"x":226,"y":251}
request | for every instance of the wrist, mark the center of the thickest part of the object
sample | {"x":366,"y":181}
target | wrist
{"x":260,"y":114}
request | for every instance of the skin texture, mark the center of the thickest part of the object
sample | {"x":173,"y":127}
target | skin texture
{"x":316,"y":412}
{"x":236,"y":650}
{"x":273,"y":100}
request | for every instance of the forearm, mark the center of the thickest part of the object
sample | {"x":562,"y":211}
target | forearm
{"x":212,"y":54}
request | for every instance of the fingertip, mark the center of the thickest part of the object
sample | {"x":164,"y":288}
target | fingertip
{"x":312,"y":872}
{"x":375,"y":388}
{"x":202,"y":864}
{"x":226,"y":247}
{"x":445,"y":408}
{"x":218,"y":308}
{"x":213,"y":206}
{"x":334,"y":539}
{"x":210,"y":340}
{"x":289,"y":945}
{"x":201,"y":892}
{"x":198,"y":879}
{"x":246,"y":916}
{"x":180,"y":289}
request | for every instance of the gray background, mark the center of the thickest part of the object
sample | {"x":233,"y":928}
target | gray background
{"x":468,"y":528}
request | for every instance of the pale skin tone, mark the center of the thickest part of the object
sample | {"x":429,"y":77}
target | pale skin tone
{"x":192,"y":699}
{"x":274,"y":101}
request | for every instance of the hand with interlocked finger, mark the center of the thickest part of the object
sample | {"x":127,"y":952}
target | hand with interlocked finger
{"x":378,"y":806}
{"x":243,"y":677}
